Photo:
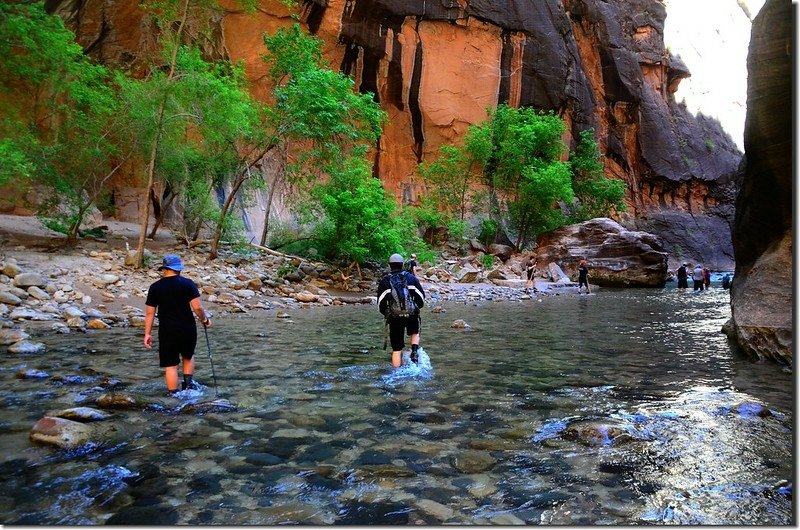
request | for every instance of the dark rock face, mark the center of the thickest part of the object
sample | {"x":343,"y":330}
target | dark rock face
{"x":617,"y":257}
{"x":761,"y":292}
{"x":436,"y":67}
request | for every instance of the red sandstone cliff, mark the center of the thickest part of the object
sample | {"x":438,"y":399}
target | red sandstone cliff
{"x":437,"y":65}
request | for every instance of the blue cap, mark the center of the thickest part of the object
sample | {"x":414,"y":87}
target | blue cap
{"x":173,"y":262}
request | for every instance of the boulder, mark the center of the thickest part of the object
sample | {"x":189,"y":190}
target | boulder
{"x":96,"y":323}
{"x":119,"y":400}
{"x":63,"y":433}
{"x":597,"y":432}
{"x":11,"y":270}
{"x":38,"y":293}
{"x":501,"y":251}
{"x":29,"y":279}
{"x":468,"y":274}
{"x":306,"y":296}
{"x":617,"y":257}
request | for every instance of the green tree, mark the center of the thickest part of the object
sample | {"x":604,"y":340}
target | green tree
{"x":595,"y":194}
{"x":317,"y":117}
{"x":357,"y":217}
{"x":60,"y":128}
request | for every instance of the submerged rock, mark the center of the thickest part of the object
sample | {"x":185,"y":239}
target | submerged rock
{"x":10,"y":336}
{"x":26,"y":346}
{"x":81,"y":414}
{"x":118,"y":400}
{"x":473,"y":461}
{"x":596,"y":432}
{"x":63,"y":433}
{"x":204,"y":407}
{"x":30,"y":373}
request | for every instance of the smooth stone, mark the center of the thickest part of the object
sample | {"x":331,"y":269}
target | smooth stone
{"x":76,"y":323}
{"x":10,"y":336}
{"x":96,"y":323}
{"x":435,"y":509}
{"x":263,"y":459}
{"x":25,"y":346}
{"x":9,"y":298}
{"x":63,"y":433}
{"x":472,"y":461}
{"x":29,"y":279}
{"x":73,"y":312}
{"x":38,"y":293}
{"x":117,"y":400}
{"x":81,"y":414}
{"x":203,"y":407}
{"x":11,"y":270}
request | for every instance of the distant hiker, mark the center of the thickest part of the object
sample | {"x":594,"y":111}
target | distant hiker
{"x":175,"y":297}
{"x":411,"y":265}
{"x":697,"y":278}
{"x":583,"y":276}
{"x":683,"y":277}
{"x":726,"y":281}
{"x":530,"y":271}
{"x":400,"y":297}
{"x":706,"y":278}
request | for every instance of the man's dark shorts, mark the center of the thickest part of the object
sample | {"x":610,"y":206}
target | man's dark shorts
{"x":171,"y":349}
{"x":396,"y":328}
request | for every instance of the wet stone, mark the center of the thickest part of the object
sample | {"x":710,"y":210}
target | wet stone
{"x":372,"y":458}
{"x":25,"y":347}
{"x":472,"y":461}
{"x":361,"y":513}
{"x":30,"y":373}
{"x":161,"y":515}
{"x":206,"y":484}
{"x":263,"y":459}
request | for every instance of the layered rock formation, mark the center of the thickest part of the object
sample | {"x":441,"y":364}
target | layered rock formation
{"x":617,"y":257}
{"x":436,"y":67}
{"x":761,"y":293}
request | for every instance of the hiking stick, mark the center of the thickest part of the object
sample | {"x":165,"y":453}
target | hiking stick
{"x":208,"y":343}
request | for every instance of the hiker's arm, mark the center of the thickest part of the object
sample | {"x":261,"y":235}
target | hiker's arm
{"x":200,"y":312}
{"x":149,"y":316}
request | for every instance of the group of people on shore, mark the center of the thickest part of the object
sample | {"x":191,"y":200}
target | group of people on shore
{"x":701,"y":277}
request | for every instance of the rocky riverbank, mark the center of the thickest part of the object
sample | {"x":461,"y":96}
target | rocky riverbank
{"x":93,"y":286}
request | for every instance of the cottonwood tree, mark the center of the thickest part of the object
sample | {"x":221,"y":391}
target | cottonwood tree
{"x":595,"y":194}
{"x":60,"y":129}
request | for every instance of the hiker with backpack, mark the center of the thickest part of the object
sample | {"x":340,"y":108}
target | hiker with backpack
{"x":400,"y":297}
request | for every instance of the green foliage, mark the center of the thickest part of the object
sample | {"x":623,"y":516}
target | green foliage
{"x":55,"y":225}
{"x":456,"y":229}
{"x":596,"y":194}
{"x":487,"y":231}
{"x":284,"y":269}
{"x":61,"y":128}
{"x":487,"y":260}
{"x":710,"y":145}
{"x":356,"y":215}
{"x":450,"y":179}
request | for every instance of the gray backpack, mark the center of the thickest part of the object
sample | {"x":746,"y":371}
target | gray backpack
{"x":401,"y":303}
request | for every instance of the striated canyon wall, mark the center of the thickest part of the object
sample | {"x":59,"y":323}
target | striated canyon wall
{"x":761,"y":293}
{"x":436,"y":66}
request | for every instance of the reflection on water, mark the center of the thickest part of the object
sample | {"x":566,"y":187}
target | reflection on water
{"x":482,"y":432}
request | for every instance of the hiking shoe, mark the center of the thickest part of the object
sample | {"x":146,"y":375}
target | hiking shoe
{"x":415,"y":357}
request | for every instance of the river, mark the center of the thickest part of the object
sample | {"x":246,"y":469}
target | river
{"x":326,"y":432}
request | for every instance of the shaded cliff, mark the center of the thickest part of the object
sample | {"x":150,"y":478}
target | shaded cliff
{"x":436,"y":66}
{"x":761,"y":294}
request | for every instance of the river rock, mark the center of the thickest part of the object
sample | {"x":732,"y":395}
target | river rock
{"x":108,"y":279}
{"x":137,"y":321}
{"x":10,"y":336}
{"x":38,"y":293}
{"x":119,"y":400}
{"x":29,"y":279}
{"x":435,"y":509}
{"x":11,"y":269}
{"x":73,"y":312}
{"x":96,"y":323}
{"x":617,"y":257}
{"x":459,"y":324}
{"x":9,"y":298}
{"x":63,"y":433}
{"x":31,"y":373}
{"x":204,"y":407}
{"x":468,"y":274}
{"x":473,"y":461}
{"x":25,"y":346}
{"x":76,"y":323}
{"x":305,"y":296}
{"x":81,"y":414}
{"x":22,"y":313}
{"x":501,"y":251}
{"x":596,"y":432}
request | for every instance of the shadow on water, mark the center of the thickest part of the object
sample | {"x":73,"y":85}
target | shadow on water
{"x":624,"y":407}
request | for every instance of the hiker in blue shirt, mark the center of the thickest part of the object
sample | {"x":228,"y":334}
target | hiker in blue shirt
{"x":400,"y":297}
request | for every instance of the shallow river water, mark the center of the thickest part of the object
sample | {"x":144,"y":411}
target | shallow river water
{"x":484,"y":432}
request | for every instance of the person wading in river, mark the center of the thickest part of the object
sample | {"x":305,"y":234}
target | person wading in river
{"x":583,"y":276}
{"x":400,"y":297}
{"x":175,"y":298}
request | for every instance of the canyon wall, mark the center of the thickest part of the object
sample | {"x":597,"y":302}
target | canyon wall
{"x":436,"y":66}
{"x":761,"y":293}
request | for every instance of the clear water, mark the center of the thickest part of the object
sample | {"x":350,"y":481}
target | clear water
{"x":326,"y":432}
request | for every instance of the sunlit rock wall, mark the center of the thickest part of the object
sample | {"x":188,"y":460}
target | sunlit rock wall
{"x":437,"y":66}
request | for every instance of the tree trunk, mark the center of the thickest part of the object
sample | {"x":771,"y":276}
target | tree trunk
{"x":240,"y":178}
{"x":269,"y":210}
{"x":151,"y":166}
{"x":162,"y":214}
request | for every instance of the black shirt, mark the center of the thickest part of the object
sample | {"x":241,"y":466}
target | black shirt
{"x":172,"y":295}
